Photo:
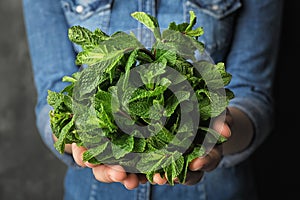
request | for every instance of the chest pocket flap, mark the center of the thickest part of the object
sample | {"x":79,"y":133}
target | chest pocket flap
{"x":216,"y":8}
{"x":89,"y":13}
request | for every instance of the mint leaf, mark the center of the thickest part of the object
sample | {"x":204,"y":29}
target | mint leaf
{"x":149,"y":21}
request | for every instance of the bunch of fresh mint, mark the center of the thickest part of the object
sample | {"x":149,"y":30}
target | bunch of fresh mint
{"x":148,"y":110}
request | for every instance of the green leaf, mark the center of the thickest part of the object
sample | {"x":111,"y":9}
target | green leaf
{"x":88,"y":82}
{"x":60,"y":143}
{"x":175,"y":167}
{"x":59,"y":101}
{"x":149,"y":21}
{"x":86,"y":38}
{"x":151,"y":161}
{"x":151,"y":73}
{"x":214,"y":136}
{"x":193,"y":19}
{"x":140,"y":94}
{"x":139,"y":142}
{"x":195,"y":33}
{"x":184,"y":45}
{"x":160,"y":138}
{"x":198,"y":151}
{"x":180,"y":27}
{"x":129,"y":64}
{"x":174,"y":100}
{"x":122,"y":145}
{"x":211,"y":103}
{"x":215,"y":76}
{"x":94,"y":152}
{"x":187,"y":28}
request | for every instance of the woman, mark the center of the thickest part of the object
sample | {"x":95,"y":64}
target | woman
{"x":243,"y":34}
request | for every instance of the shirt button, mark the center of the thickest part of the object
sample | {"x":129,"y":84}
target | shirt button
{"x":79,"y":9}
{"x":215,"y":7}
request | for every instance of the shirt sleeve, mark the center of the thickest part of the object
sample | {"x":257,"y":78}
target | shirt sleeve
{"x":252,"y":61}
{"x":52,"y":57}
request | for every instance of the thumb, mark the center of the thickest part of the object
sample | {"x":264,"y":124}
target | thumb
{"x":222,"y":123}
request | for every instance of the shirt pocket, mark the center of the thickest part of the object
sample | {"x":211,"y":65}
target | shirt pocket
{"x":217,"y":17}
{"x":91,"y":14}
{"x":216,"y":8}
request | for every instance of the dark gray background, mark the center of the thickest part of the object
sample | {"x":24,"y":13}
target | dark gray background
{"x":29,"y":171}
{"x":27,"y":168}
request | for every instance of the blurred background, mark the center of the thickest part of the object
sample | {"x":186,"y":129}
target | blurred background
{"x":28,"y":170}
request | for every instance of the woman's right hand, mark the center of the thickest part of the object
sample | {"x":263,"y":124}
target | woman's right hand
{"x":105,"y":173}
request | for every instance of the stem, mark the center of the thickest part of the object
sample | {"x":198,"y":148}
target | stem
{"x":149,"y":53}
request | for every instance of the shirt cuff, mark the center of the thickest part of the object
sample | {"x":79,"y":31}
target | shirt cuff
{"x":261,"y":116}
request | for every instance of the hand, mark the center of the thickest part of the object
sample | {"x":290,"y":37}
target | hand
{"x":208,"y":162}
{"x":115,"y":173}
{"x":105,"y":173}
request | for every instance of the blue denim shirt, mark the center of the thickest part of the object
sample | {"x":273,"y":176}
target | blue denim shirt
{"x":243,"y":34}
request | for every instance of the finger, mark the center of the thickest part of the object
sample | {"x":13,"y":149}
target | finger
{"x":193,"y":177}
{"x":109,"y":173}
{"x":209,"y":161}
{"x":221,"y":127}
{"x":131,"y":181}
{"x":90,"y":165}
{"x":158,"y":179}
{"x":77,"y":152}
{"x":68,"y":147}
{"x":142,"y":178}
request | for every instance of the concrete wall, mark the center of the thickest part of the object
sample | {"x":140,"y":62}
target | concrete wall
{"x":27,"y":168}
{"x":29,"y":171}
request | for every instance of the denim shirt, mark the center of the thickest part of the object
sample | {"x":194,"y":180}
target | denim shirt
{"x":243,"y":34}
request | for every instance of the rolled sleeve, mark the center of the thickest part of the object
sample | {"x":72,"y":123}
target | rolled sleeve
{"x":261,"y":116}
{"x":52,"y":56}
{"x":252,"y":61}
